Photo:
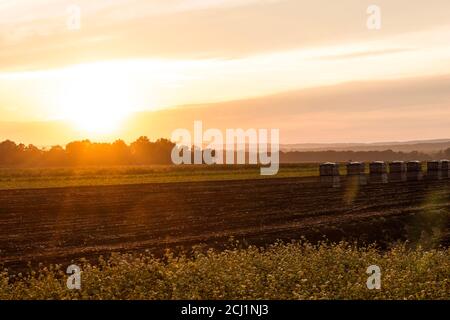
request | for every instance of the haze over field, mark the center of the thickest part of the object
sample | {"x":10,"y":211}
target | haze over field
{"x":312,"y":69}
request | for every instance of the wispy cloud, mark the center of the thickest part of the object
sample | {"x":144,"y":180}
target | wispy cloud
{"x":36,"y":31}
{"x":364,"y":54}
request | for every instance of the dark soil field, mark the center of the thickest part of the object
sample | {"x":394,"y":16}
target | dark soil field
{"x":58,"y":225}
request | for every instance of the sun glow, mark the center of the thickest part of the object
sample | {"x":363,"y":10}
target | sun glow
{"x":96,"y":98}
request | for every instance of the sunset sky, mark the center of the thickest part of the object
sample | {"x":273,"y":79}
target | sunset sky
{"x":330,"y":78}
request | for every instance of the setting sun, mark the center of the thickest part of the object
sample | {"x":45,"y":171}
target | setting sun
{"x":95,"y":98}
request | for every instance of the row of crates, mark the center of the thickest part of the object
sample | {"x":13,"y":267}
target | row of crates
{"x":381,"y":167}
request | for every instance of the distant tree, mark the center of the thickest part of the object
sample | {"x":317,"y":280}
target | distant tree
{"x":162,"y":150}
{"x":140,"y":150}
{"x":146,"y":152}
{"x":121,"y":153}
{"x":77,"y":151}
{"x":31,"y":155}
{"x":8,"y":153}
{"x":56,"y":156}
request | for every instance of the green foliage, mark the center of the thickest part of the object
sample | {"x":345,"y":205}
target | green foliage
{"x":281,"y":271}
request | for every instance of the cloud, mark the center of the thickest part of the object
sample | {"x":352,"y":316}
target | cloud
{"x":401,"y":110}
{"x":32,"y":33}
{"x":364,"y":54}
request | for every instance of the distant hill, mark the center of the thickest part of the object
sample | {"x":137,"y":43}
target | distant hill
{"x":426,"y":146}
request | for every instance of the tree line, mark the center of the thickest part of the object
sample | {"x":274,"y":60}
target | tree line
{"x":78,"y":153}
{"x":146,"y":152}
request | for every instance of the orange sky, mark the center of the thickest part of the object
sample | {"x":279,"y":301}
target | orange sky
{"x":131,"y":56}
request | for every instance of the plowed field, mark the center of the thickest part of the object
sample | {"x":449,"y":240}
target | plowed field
{"x":60,"y":224}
